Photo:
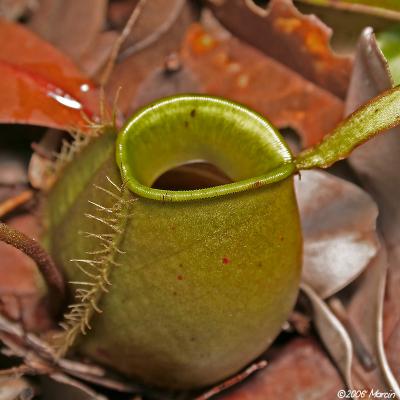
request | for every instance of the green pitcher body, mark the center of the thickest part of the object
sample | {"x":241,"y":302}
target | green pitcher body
{"x":189,"y":291}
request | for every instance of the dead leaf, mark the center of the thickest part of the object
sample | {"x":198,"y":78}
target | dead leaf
{"x":156,"y":19}
{"x":132,"y":69}
{"x":97,"y":56}
{"x":164,"y":82}
{"x":338,"y":223}
{"x":346,"y":26}
{"x":72,"y":27}
{"x":365,"y":312}
{"x":332,"y":333}
{"x":12,"y":388}
{"x":300,"y":371}
{"x":12,"y":168}
{"x":232,"y":69}
{"x":299,"y":41}
{"x":22,"y":289}
{"x":118,"y":12}
{"x":39,"y":85}
{"x":376,"y":164}
{"x":13,"y":10}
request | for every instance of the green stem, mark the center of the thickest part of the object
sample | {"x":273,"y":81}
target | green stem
{"x":379,"y":114}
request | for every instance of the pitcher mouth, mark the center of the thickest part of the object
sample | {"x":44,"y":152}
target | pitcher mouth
{"x":178,"y":129}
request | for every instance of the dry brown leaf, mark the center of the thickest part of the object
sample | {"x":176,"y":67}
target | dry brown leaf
{"x":376,"y":164}
{"x":156,"y":19}
{"x":22,"y":289}
{"x":301,"y":370}
{"x":282,"y":32}
{"x":12,"y":388}
{"x":164,"y":82}
{"x":365,"y":314}
{"x":12,"y":168}
{"x":232,"y":69}
{"x":332,"y":333}
{"x":338,"y":223}
{"x":13,"y":10}
{"x":71,"y":26}
{"x":97,"y":55}
{"x":132,"y":69}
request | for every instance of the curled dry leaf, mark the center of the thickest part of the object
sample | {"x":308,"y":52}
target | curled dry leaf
{"x":332,"y":333}
{"x":338,"y":222}
{"x":230,"y":68}
{"x":70,"y":26}
{"x":282,"y":32}
{"x":39,"y":85}
{"x":376,"y":164}
{"x":301,"y":370}
{"x":136,"y":65}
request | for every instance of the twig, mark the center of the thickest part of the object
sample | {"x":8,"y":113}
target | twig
{"x":14,"y":202}
{"x":46,"y":265}
{"x":233,"y":381}
{"x":120,"y":40}
{"x":15,"y":372}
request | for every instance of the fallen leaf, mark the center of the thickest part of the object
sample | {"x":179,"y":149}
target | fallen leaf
{"x":375,"y":162}
{"x":370,"y":76}
{"x":338,"y":224}
{"x":12,"y":388}
{"x":98,"y":54}
{"x":300,"y":371}
{"x":299,"y":41}
{"x":232,"y":69}
{"x":332,"y":333}
{"x":365,"y":312}
{"x":163,"y":82}
{"x":72,"y":27}
{"x":13,"y":10}
{"x":12,"y":168}
{"x":156,"y":19}
{"x":22,"y":290}
{"x":136,"y":64}
{"x":39,"y":85}
{"x":118,"y":12}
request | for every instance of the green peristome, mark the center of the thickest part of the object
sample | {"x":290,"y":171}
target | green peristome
{"x":389,"y":43}
{"x":199,"y":288}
